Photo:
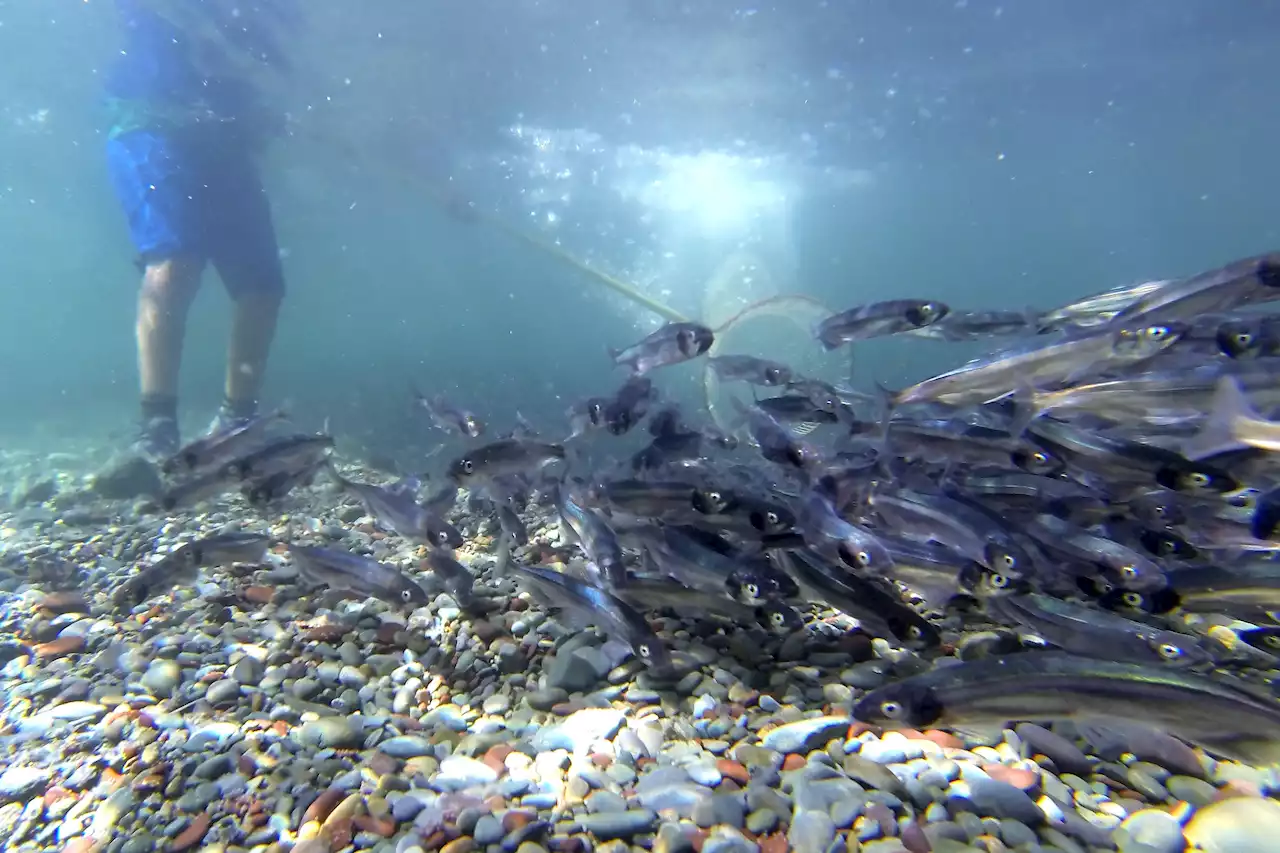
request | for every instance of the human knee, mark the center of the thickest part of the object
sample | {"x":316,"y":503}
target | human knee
{"x":170,"y":283}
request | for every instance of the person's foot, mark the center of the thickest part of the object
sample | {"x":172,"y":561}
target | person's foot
{"x":157,"y":439}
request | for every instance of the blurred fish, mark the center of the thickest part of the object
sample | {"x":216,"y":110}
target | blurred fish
{"x":671,"y":344}
{"x":1040,"y":364}
{"x":978,"y":325}
{"x":457,"y":577}
{"x":449,"y":417}
{"x":592,"y":532}
{"x":747,"y":368}
{"x":1246,"y":281}
{"x":663,"y":594}
{"x":220,"y":448}
{"x":396,"y":510}
{"x":182,"y":565}
{"x":345,"y":572}
{"x":511,"y":525}
{"x":586,"y":416}
{"x":591,"y":606}
{"x":878,"y":319}
{"x":1219,"y":715}
{"x":501,"y":458}
{"x":1232,"y":423}
{"x":629,"y":405}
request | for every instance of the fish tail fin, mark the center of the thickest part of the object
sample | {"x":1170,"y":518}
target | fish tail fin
{"x":1218,"y":434}
{"x":1023,"y":401}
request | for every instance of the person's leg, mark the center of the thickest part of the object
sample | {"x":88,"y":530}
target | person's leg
{"x":247,"y":257}
{"x":154,"y":181}
{"x":168,"y":288}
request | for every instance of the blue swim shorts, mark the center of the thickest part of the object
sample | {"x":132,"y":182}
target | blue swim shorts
{"x":190,"y":196}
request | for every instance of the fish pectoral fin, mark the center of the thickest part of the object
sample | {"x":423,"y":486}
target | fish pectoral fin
{"x":1218,"y":433}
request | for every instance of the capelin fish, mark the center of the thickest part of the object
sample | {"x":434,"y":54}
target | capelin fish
{"x":749,"y":369}
{"x":511,"y":524}
{"x":651,"y":498}
{"x":457,"y":577}
{"x":1219,"y":715}
{"x":956,"y":524}
{"x":830,"y":535}
{"x":1248,"y":591}
{"x":1098,"y":309}
{"x":958,"y":326}
{"x":265,"y":490}
{"x":343,"y":571}
{"x":1116,"y":459}
{"x":592,"y":532}
{"x":876,"y":605}
{"x":1120,"y":565}
{"x":724,"y":505}
{"x":877,"y":320}
{"x":1247,"y":281}
{"x":795,"y":409}
{"x":774,"y":441}
{"x":629,"y":405}
{"x":396,"y":510}
{"x":1249,"y":337}
{"x":502,"y":458}
{"x":220,"y":448}
{"x":449,"y":417}
{"x":586,"y":415}
{"x":663,"y":594}
{"x":290,"y":453}
{"x":591,"y":606}
{"x":1088,"y":631}
{"x":1040,"y":364}
{"x":182,"y":565}
{"x":671,"y":344}
{"x":948,"y":440}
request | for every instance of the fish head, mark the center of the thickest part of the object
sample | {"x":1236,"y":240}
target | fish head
{"x":694,"y":340}
{"x":1178,"y":650}
{"x":775,"y":374}
{"x":1146,"y":341}
{"x":410,"y":592}
{"x":712,"y":501}
{"x":462,"y":470}
{"x":1037,"y":460}
{"x":925,"y":313}
{"x":772,"y":519}
{"x":1196,"y":478}
{"x":1156,"y":602}
{"x":863,"y":555}
{"x":916,"y":633}
{"x":1239,"y":338}
{"x":906,"y":704}
{"x":1167,"y":544}
{"x":779,"y":617}
{"x":443,"y":534}
{"x":472,"y":426}
{"x":1008,"y":560}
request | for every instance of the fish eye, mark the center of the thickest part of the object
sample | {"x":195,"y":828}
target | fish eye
{"x":772,"y":375}
{"x":914,"y":632}
{"x":1130,"y":571}
{"x":862,"y":558}
{"x":442,"y":538}
{"x":1156,"y":333}
{"x":468,"y":466}
{"x":1132,"y":599}
{"x":752,"y":589}
{"x":772,"y":518}
{"x":892,"y":710}
{"x":778,"y":618}
{"x":1272,"y":640}
{"x":999,"y":581}
{"x":1008,"y":561}
{"x":1243,"y":339}
{"x":715,"y":497}
{"x":643,"y":650}
{"x":1169,"y":651}
{"x":406,"y":595}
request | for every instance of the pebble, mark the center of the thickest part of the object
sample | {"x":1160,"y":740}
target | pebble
{"x":407,"y":746}
{"x":609,"y":825}
{"x":811,"y":832}
{"x":1150,"y":831}
{"x":1236,"y":825}
{"x":23,"y":783}
{"x":1195,"y":791}
{"x":806,"y":735}
{"x":457,"y":772}
{"x":332,"y":733}
{"x":162,"y":677}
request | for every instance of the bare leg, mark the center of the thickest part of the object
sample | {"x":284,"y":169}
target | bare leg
{"x":253,"y":328}
{"x":168,"y":289}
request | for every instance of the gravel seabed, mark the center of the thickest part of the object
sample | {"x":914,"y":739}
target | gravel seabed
{"x":243,"y":714}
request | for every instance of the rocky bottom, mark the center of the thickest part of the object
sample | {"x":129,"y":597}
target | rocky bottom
{"x":241,"y":715}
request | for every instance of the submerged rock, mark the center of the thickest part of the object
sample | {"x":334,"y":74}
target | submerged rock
{"x":126,"y":477}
